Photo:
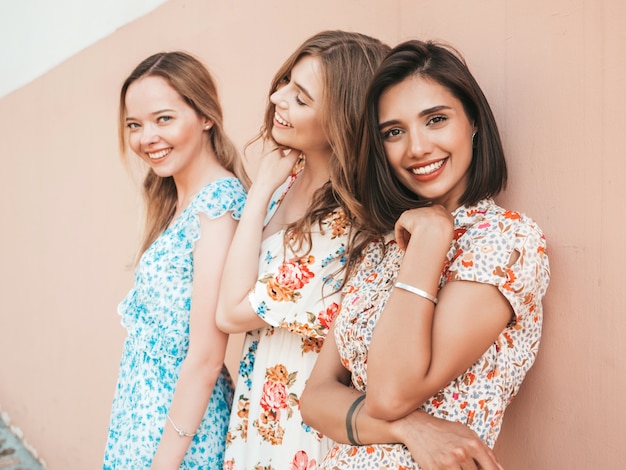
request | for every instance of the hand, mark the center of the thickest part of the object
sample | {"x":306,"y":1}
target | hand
{"x":275,"y":165}
{"x":432,"y":223}
{"x":437,"y":444}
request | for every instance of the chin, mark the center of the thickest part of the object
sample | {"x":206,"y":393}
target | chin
{"x":161,"y":172}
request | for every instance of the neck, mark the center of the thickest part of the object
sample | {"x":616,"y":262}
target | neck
{"x":204,"y":169}
{"x":316,"y":170}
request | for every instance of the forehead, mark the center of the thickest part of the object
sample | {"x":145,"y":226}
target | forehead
{"x":415,"y":94}
{"x":152,"y":92}
{"x":307,"y":72}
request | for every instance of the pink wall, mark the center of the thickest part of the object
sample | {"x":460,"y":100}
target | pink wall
{"x":555,"y":74}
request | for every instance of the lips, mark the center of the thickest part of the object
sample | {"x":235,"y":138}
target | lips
{"x":158,"y":155}
{"x":428,"y":169}
{"x":279,"y":119}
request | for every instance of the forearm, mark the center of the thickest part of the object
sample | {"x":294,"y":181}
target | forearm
{"x":193,"y":391}
{"x":400,"y":353}
{"x":432,"y":442}
{"x":469,"y":317}
{"x":235,"y":314}
{"x":325,"y":408}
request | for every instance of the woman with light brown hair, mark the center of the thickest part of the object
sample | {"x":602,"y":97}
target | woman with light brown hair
{"x":173,"y":395}
{"x":282,"y":274}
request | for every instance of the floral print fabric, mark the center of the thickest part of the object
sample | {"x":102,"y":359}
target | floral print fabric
{"x":297,"y":295}
{"x":493,"y":246}
{"x":156,"y":314}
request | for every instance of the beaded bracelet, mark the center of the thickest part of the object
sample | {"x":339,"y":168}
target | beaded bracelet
{"x":416,"y":291}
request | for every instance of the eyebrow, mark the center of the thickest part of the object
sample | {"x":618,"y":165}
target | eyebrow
{"x":160,"y":111}
{"x":422,"y":113}
{"x":304,"y":90}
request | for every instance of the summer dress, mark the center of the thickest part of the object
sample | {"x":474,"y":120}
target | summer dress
{"x":297,"y":294}
{"x":493,"y":246}
{"x":156,"y":314}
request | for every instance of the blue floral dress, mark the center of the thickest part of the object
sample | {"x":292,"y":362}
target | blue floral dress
{"x":156,"y":314}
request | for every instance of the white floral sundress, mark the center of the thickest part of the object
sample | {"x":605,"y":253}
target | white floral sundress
{"x":156,"y":314}
{"x":493,"y":246}
{"x":297,"y":294}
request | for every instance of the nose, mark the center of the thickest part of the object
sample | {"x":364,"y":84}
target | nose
{"x":149,"y":134}
{"x":278,"y":98}
{"x":419,"y":143}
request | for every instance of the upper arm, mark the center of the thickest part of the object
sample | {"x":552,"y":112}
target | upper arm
{"x":468,"y":319}
{"x":209,"y":256}
{"x":490,"y":284}
{"x":496,"y":276}
{"x":328,"y":366}
{"x":322,"y":385}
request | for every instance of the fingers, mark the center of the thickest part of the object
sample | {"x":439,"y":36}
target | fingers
{"x":480,"y":455}
{"x":486,"y":460}
{"x":401,"y":236}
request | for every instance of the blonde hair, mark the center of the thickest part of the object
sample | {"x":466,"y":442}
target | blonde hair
{"x":193,"y":82}
{"x":348,"y":62}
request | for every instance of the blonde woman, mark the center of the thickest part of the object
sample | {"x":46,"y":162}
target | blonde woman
{"x":173,"y":395}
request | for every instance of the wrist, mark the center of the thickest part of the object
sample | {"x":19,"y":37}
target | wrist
{"x":397,"y":430}
{"x":261,"y":192}
{"x":403,"y":427}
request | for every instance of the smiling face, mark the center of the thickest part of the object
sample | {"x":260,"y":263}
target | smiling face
{"x":298,"y":109}
{"x":163,"y":130}
{"x":427,"y":139}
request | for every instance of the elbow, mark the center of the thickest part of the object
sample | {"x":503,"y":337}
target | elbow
{"x":204,"y":368}
{"x":223,"y":320}
{"x":306,"y":407}
{"x":387,"y":406}
{"x":234,"y":318}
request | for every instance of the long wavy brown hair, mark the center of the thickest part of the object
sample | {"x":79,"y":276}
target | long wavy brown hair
{"x":193,"y":82}
{"x":348,"y":62}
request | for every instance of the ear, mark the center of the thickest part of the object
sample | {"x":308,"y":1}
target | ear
{"x":207,"y":124}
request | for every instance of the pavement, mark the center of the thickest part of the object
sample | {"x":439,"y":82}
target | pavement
{"x":15,"y":454}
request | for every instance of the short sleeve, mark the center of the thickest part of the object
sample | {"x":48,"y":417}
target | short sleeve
{"x":221,"y":196}
{"x":507,"y":250}
{"x":214,"y":200}
{"x":301,"y":292}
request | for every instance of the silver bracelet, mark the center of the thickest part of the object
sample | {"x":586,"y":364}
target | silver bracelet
{"x":416,"y":291}
{"x":181,"y":432}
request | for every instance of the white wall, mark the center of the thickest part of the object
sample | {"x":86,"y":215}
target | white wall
{"x":37,"y":35}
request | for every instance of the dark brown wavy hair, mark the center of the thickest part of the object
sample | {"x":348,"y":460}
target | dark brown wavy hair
{"x":381,"y":196}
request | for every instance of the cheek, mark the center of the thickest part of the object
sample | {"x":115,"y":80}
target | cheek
{"x":134,"y":142}
{"x":393,"y":154}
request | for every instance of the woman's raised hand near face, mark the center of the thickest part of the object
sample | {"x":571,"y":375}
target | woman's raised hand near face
{"x":275,"y":165}
{"x":426,"y":225}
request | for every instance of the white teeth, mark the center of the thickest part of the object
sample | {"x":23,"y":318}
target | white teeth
{"x":281,"y":120}
{"x":428,"y":169}
{"x":160,"y":154}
